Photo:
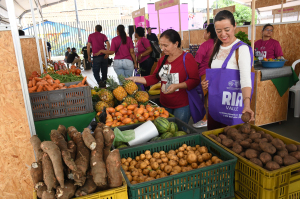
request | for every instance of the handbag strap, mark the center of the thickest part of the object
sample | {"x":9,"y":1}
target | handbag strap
{"x":119,"y":46}
{"x":187,"y":75}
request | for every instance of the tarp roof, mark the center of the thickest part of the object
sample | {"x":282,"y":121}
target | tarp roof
{"x":289,"y":3}
{"x":23,"y":6}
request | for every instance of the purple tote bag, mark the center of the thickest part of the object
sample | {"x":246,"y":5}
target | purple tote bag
{"x":196,"y":99}
{"x":225,"y":99}
{"x":140,"y":86}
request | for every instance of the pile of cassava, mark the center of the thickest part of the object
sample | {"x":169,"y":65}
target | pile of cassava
{"x":259,"y":147}
{"x":78,"y":167}
{"x":147,"y":166}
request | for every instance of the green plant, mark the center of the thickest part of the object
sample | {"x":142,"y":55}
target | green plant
{"x":243,"y":37}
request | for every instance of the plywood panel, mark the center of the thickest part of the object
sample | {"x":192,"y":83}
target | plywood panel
{"x":185,"y":41}
{"x":270,"y":107}
{"x":16,"y":150}
{"x":197,"y":36}
{"x":243,"y":29}
{"x":30,"y":56}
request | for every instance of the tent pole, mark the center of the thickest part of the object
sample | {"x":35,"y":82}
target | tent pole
{"x":281,"y":10}
{"x":78,"y":25}
{"x":273,"y":18}
{"x":180,"y":21}
{"x":158,"y":22}
{"x":208,"y":20}
{"x":20,"y":63}
{"x":253,"y":25}
{"x":36,"y":37}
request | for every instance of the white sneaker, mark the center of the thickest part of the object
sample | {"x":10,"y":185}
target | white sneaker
{"x":200,"y":124}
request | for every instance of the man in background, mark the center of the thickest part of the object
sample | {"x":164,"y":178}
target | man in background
{"x":151,"y":36}
{"x":100,"y":62}
{"x":86,"y":63}
{"x":67,"y":54}
{"x":74,"y":58}
{"x":49,"y":49}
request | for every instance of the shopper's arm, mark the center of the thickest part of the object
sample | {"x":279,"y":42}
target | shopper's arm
{"x":141,"y":80}
{"x":133,"y":57}
{"x":89,"y":51}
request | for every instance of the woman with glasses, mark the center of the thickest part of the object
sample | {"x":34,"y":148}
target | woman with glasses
{"x":268,"y":47}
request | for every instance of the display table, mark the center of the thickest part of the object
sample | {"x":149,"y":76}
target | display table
{"x":43,"y":128}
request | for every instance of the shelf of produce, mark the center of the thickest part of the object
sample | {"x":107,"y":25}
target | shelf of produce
{"x":255,"y":182}
{"x":215,"y":181}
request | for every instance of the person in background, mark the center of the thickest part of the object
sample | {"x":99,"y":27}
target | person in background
{"x":49,"y":49}
{"x":21,"y":33}
{"x":86,"y":63}
{"x":172,"y":74}
{"x":74,"y":58}
{"x":202,"y":58}
{"x":268,"y":47}
{"x":67,"y":54}
{"x":100,"y":61}
{"x":143,"y":49}
{"x":151,"y":36}
{"x":122,"y":46}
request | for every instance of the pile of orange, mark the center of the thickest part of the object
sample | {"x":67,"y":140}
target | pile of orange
{"x":129,"y":114}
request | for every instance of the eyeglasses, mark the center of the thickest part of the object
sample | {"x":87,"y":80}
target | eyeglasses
{"x":269,"y":30}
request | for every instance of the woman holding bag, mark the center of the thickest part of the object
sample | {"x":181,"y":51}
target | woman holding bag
{"x":229,"y":81}
{"x":178,"y":73}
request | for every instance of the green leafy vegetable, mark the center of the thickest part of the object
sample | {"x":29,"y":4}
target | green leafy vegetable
{"x":243,"y":37}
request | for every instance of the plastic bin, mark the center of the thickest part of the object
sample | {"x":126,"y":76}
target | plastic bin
{"x":180,"y":124}
{"x":255,"y":182}
{"x":116,"y":193}
{"x":211,"y":182}
{"x":61,"y":103}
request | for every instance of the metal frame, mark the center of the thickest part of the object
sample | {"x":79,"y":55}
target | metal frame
{"x":21,"y":68}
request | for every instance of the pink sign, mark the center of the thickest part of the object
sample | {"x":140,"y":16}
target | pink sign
{"x":169,"y":18}
{"x":139,"y":22}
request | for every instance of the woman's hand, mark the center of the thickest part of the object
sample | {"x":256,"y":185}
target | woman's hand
{"x":171,"y":89}
{"x":130,"y":78}
{"x":204,"y":84}
{"x":139,"y":57}
{"x":248,"y":109}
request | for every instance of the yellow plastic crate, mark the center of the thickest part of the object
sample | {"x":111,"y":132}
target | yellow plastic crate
{"x":116,"y":193}
{"x":255,"y":182}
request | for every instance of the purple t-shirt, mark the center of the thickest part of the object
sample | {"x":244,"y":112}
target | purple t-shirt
{"x":203,"y":54}
{"x":97,"y":40}
{"x":141,"y":45}
{"x":123,"y":51}
{"x":269,"y":48}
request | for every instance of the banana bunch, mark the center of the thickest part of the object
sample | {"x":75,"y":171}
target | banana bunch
{"x":155,"y":89}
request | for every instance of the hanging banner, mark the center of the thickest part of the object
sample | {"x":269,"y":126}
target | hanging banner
{"x":286,"y":10}
{"x":266,"y":3}
{"x":165,"y":4}
{"x":140,"y":22}
{"x":230,"y":8}
{"x":138,"y":13}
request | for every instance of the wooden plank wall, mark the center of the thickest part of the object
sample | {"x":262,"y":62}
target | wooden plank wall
{"x":16,"y":150}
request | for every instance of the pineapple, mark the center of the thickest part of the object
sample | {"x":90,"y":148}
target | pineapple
{"x":111,"y":103}
{"x":141,"y":96}
{"x":118,"y":91}
{"x":100,"y":105}
{"x":130,"y":100}
{"x":130,"y":87}
{"x":106,"y":95}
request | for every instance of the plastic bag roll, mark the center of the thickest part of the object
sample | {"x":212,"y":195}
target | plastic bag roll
{"x":144,"y":133}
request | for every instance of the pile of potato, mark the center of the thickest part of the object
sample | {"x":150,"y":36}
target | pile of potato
{"x":259,"y":147}
{"x":147,"y":166}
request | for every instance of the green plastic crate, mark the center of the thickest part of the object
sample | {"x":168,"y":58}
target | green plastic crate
{"x":211,"y":182}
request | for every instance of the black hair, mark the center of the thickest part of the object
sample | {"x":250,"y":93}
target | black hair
{"x":211,"y":29}
{"x":98,"y":28}
{"x":121,"y":30}
{"x":68,"y":48}
{"x":73,"y":49}
{"x":265,"y":26}
{"x":173,"y":36}
{"x":222,"y":15}
{"x":140,"y":31}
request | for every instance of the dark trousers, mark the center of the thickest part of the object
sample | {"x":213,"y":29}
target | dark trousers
{"x":212,"y":124}
{"x":146,"y":67}
{"x":100,"y":64}
{"x":86,"y":64}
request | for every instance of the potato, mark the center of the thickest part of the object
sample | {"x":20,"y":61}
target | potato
{"x":222,"y":136}
{"x":246,"y":136}
{"x":268,"y":136}
{"x":184,"y":169}
{"x":278,"y":159}
{"x":173,"y":157}
{"x":189,"y":167}
{"x":149,"y":179}
{"x":237,"y":137}
{"x":131,"y":168}
{"x":143,"y":165}
{"x":191,"y":152}
{"x":153,"y":174}
{"x":251,"y":153}
{"x":265,"y":157}
{"x":147,"y":152}
{"x":142,"y":157}
{"x":147,"y":162}
{"x":218,"y":139}
{"x":146,"y":171}
{"x":125,"y":168}
{"x":208,"y":163}
{"x":206,"y":156}
{"x":261,"y":132}
{"x":218,"y":161}
{"x":271,"y":166}
{"x":156,"y":155}
{"x":298,"y":147}
{"x":185,"y":152}
{"x":197,"y":146}
{"x":172,"y":163}
{"x":237,"y":149}
{"x":194,"y":165}
{"x":148,"y":156}
{"x":149,"y":167}
{"x":255,"y":146}
{"x":154,"y":165}
{"x":126,"y":163}
{"x":246,"y":128}
{"x":296,"y":154}
{"x":129,"y":177}
{"x":213,"y":136}
{"x":246,"y":117}
{"x":252,"y":131}
{"x":249,"y":140}
{"x":291,"y":147}
{"x":203,"y":149}
{"x":181,"y":149}
{"x":157,"y":177}
{"x":278,"y":144}
{"x":257,"y":140}
{"x":133,"y":162}
{"x":173,"y":173}
{"x":152,"y":160}
{"x":289,"y":160}
{"x":182,"y":162}
{"x":141,"y":179}
{"x":162,"y":166}
{"x":129,"y":159}
{"x":235,"y":143}
{"x":135,"y":173}
{"x":168,"y":169}
{"x":176,"y":151}
{"x":172,"y":152}
{"x":133,"y":182}
{"x":214,"y":158}
{"x":162,"y":152}
{"x":226,"y":129}
{"x":256,"y":161}
{"x":191,"y":158}
{"x":227,"y":142}
{"x":202,"y":165}
{"x":242,"y":154}
{"x":267,"y":147}
{"x":184,"y":146}
{"x":231,"y":132}
{"x":159,"y":161}
{"x":164,"y":159}
{"x":197,"y":153}
{"x":158,"y":171}
{"x":254,"y":136}
{"x":200,"y":158}
{"x":137,"y":158}
{"x":177,"y":169}
{"x":163,"y":174}
{"x":163,"y":155}
{"x":188,"y":148}
{"x":245,"y":144}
